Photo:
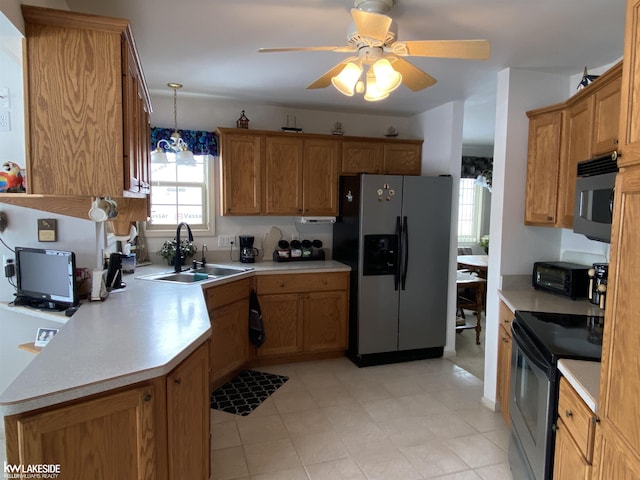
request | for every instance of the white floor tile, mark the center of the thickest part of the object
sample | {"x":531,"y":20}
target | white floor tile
{"x":333,"y":420}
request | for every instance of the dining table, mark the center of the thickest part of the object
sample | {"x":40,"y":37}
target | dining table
{"x":474,"y":263}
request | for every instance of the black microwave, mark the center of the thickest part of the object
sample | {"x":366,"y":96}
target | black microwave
{"x":565,"y":278}
{"x":593,"y":210}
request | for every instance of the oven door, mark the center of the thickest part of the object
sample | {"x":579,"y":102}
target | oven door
{"x":530,"y":408}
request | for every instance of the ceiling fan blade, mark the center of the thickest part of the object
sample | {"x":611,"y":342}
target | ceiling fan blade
{"x":467,"y":49}
{"x":371,"y":25}
{"x":325,"y":80}
{"x":308,"y":49}
{"x":414,"y":78}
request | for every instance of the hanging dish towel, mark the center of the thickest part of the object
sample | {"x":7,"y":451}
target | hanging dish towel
{"x":256,"y":327}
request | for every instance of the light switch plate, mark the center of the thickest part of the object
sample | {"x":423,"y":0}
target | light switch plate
{"x":4,"y":97}
{"x":5,"y":121}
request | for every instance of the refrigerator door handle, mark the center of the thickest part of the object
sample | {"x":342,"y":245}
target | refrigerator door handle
{"x":405,"y":251}
{"x":396,"y":275}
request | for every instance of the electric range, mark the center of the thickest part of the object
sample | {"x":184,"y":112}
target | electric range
{"x":540,"y":339}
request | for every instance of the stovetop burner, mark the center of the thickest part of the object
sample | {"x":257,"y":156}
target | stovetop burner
{"x":561,"y":335}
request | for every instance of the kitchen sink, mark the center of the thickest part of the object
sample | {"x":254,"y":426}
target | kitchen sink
{"x":206,"y":272}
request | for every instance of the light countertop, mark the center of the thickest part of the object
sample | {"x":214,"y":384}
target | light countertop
{"x":138,"y":333}
{"x":584,"y":377}
{"x":541,"y":301}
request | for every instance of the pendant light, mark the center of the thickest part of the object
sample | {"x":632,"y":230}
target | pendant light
{"x":184,"y":156}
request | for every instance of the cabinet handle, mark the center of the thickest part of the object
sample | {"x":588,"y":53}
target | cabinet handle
{"x":177,"y":381}
{"x":549,"y":218}
{"x":147,"y":397}
{"x":282,"y":284}
{"x":568,"y":413}
{"x":505,"y":340}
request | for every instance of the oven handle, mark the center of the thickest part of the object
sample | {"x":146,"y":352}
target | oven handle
{"x":529,"y":350}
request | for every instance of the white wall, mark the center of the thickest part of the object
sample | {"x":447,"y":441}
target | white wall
{"x":441,"y":153}
{"x":12,"y":142}
{"x":514,"y":247}
{"x":76,"y":235}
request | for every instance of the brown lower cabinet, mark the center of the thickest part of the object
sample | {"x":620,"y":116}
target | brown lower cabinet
{"x":575,"y":433}
{"x":504,"y":360}
{"x":158,"y":429}
{"x":305,"y":317}
{"x":228,"y":307}
{"x":303,"y":314}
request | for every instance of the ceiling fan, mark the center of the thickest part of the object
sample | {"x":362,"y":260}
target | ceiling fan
{"x":373,"y":38}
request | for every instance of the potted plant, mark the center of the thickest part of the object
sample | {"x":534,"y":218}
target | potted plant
{"x":168,"y":250}
{"x":484,"y":243}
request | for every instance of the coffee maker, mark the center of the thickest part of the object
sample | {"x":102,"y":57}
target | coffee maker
{"x":598,"y":283}
{"x":248,"y":253}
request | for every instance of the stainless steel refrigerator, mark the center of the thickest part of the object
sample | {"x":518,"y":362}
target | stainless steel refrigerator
{"x":394,"y":233}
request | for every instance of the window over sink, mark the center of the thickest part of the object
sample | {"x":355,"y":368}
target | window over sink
{"x":181,"y":193}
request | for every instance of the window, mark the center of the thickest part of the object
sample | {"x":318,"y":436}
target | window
{"x":469,"y":211}
{"x":181,"y":193}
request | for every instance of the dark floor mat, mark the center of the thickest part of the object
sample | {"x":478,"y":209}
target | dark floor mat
{"x":246,"y":392}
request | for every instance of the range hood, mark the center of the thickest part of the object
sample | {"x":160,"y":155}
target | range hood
{"x":316,"y":219}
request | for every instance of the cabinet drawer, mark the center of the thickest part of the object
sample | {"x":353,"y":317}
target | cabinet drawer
{"x":217,"y":297}
{"x":578,"y":418}
{"x":302,"y":282}
{"x":506,"y":316}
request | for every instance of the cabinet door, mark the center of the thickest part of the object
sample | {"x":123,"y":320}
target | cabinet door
{"x":241,"y":160}
{"x":629,"y":131}
{"x":402,"y":159}
{"x":228,"y":307}
{"x":230,"y":338}
{"x":188,"y":417}
{"x":361,"y":157}
{"x":325,"y":321}
{"x":607,"y":117}
{"x":282,"y":319}
{"x":542,"y":168}
{"x":569,"y":464}
{"x":74,"y":89}
{"x":283,"y":176}
{"x":320,"y":182}
{"x":576,"y":147}
{"x":111,"y":436}
{"x":504,"y":371}
{"x":620,"y":377}
{"x":135,"y":128}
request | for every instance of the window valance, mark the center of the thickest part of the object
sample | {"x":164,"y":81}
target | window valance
{"x":199,"y":141}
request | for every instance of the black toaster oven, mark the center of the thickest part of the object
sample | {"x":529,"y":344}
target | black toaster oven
{"x":564,"y":278}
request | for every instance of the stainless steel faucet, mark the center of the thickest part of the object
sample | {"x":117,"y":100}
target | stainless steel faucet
{"x":178,"y":256}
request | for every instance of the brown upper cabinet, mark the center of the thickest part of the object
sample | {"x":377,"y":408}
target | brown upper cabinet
{"x":87,"y":106}
{"x":629,"y":131}
{"x":275,"y":173}
{"x":562,"y":135}
{"x":388,"y":157}
{"x":543,"y":163}
{"x":361,"y":157}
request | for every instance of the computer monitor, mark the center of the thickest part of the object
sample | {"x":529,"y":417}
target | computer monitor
{"x":46,"y":278}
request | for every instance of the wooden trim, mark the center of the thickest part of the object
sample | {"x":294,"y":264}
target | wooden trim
{"x":340,"y":138}
{"x":65,"y":18}
{"x":585,"y":92}
{"x":129,"y":209}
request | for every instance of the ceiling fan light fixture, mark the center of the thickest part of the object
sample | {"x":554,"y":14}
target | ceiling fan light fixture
{"x":374,"y":93}
{"x":387,"y":79}
{"x":345,"y":82}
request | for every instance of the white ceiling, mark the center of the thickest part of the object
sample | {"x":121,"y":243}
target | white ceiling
{"x":211,"y":46}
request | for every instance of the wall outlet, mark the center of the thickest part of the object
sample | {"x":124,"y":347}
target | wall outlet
{"x":226,"y":240}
